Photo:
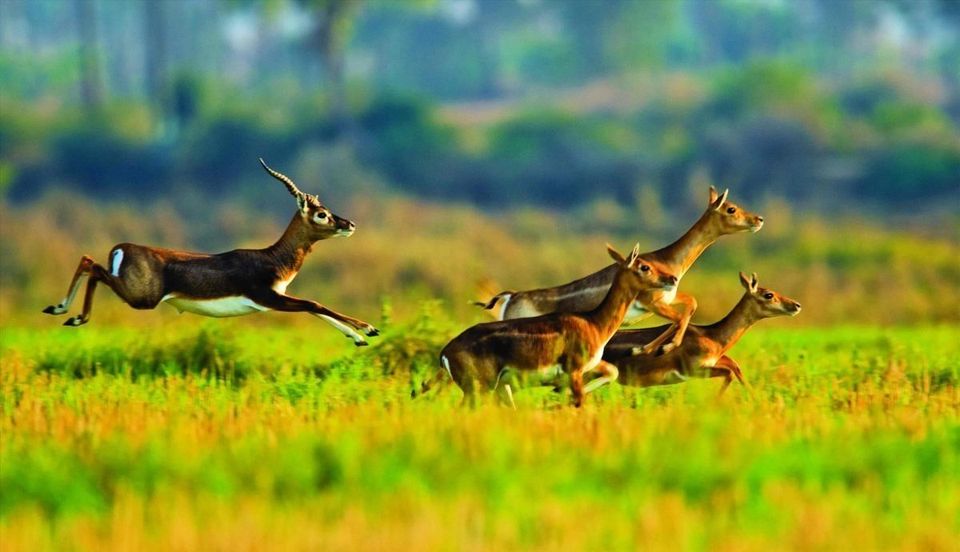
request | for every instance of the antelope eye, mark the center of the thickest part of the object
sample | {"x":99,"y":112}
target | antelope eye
{"x":768,"y":295}
{"x":732,"y":210}
{"x":645,"y":268}
{"x":321,"y":215}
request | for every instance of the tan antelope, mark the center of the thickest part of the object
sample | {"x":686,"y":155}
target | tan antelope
{"x":722,"y":217}
{"x":703,"y":353}
{"x":491,"y":356}
{"x":238,"y":282}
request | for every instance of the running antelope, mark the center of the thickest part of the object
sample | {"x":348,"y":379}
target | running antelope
{"x":703,"y":352}
{"x":242,"y":281}
{"x":722,"y":217}
{"x":491,"y":356}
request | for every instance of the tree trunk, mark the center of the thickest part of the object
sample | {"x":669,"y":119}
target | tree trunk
{"x":331,"y":51}
{"x":91,"y":80}
{"x":155,"y":51}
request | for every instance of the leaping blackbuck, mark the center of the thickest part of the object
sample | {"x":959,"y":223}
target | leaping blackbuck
{"x":494,"y":355}
{"x":238,"y":282}
{"x":722,"y":217}
{"x":703,"y":352}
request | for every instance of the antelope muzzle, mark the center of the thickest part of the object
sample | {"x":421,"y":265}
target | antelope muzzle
{"x":668,"y":281}
{"x":344,"y":227}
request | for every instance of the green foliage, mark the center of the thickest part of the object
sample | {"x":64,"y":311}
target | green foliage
{"x":209,"y":353}
{"x":766,"y":128}
{"x":524,"y":153}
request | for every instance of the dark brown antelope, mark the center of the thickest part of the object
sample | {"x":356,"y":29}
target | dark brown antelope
{"x":703,"y":352}
{"x":494,"y":355}
{"x":721,"y":218}
{"x":238,"y":282}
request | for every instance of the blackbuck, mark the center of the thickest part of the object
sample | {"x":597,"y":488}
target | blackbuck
{"x":722,"y":217}
{"x":238,"y":282}
{"x":495,"y":355}
{"x":703,"y":353}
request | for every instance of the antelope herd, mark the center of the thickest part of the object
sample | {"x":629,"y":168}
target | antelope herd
{"x":563,"y":336}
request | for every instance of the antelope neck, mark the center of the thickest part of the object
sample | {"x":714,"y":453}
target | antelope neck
{"x":681,"y":254}
{"x":293,"y":245}
{"x":731,"y":328}
{"x":610,"y":313}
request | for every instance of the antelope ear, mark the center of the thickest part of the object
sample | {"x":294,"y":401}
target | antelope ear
{"x":745,"y":281}
{"x":713,"y":195}
{"x":635,"y":254}
{"x":615,"y":255}
{"x":302,"y":204}
{"x":719,"y":201}
{"x":754,"y":283}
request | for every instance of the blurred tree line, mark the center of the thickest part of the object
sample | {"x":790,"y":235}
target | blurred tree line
{"x":832,"y":103}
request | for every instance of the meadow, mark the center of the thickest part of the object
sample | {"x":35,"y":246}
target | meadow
{"x":233,"y":438}
{"x":152,"y":430}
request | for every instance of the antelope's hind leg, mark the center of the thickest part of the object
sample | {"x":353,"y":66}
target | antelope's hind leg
{"x":84,"y":267}
{"x":97,"y":274}
{"x":507,"y":379}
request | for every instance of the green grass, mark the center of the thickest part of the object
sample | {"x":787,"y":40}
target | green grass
{"x":231,"y":436}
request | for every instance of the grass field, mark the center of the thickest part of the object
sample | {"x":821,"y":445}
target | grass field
{"x":241,"y":438}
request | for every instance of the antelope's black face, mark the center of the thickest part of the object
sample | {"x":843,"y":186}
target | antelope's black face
{"x":731,"y":218}
{"x":322,"y":222}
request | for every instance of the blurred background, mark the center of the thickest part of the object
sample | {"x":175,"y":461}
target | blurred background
{"x":487,"y":145}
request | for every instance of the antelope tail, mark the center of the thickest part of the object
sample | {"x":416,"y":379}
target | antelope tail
{"x":494,"y":300}
{"x":427,"y":385}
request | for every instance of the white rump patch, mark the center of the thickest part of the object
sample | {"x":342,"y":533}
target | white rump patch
{"x":222,"y":307}
{"x":503,"y":305}
{"x":446,"y":365}
{"x":115,"y":262}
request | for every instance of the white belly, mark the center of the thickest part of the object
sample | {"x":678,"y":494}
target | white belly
{"x":217,"y":308}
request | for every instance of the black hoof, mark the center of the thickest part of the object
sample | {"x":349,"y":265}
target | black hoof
{"x":52,"y":309}
{"x":360,"y":343}
{"x":75,"y":321}
{"x":372,"y":332}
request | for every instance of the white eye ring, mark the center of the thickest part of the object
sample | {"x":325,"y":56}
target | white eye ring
{"x":321,"y":216}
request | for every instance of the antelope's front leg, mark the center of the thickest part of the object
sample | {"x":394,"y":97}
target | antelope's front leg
{"x":679,"y":326}
{"x":608,"y":374}
{"x":576,"y":387}
{"x":727,"y":368}
{"x":347,"y":325}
